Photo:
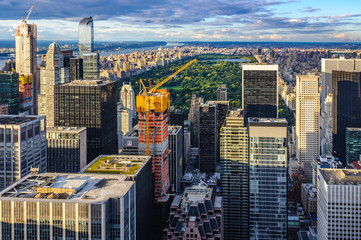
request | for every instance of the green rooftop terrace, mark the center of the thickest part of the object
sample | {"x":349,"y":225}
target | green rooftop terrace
{"x":116,"y":164}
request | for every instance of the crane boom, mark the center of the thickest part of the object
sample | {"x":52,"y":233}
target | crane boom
{"x":171,"y":76}
{"x":29,"y":12}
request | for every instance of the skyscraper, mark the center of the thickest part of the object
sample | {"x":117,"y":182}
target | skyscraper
{"x":234,"y":176}
{"x":193,"y":117}
{"x":90,"y":104}
{"x":22,"y":147}
{"x":127,"y":98}
{"x":307,"y":122}
{"x":260,"y":90}
{"x":208,"y":137}
{"x":176,"y":158}
{"x":267,"y":178}
{"x":9,"y":92}
{"x":53,"y":74}
{"x":346,"y":87}
{"x":86,"y":35}
{"x":26,"y":63}
{"x":75,"y":68}
{"x":90,"y":65}
{"x":124,"y":119}
{"x":353,"y":145}
{"x":338,"y":204}
{"x":222,"y":93}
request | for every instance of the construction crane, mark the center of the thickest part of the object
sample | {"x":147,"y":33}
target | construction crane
{"x":29,"y":12}
{"x":145,"y":105}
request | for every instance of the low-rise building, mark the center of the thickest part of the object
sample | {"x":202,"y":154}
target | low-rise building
{"x":309,"y":198}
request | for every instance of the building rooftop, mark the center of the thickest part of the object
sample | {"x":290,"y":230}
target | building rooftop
{"x":353,"y":129}
{"x":197,"y":193}
{"x":174,"y":129}
{"x":235,"y":113}
{"x":267,"y":120}
{"x":134,"y":132}
{"x":87,"y":83}
{"x":117,"y":164}
{"x":65,"y":129}
{"x":17,"y":120}
{"x":68,"y":187}
{"x":259,"y":67}
{"x":341,"y":176}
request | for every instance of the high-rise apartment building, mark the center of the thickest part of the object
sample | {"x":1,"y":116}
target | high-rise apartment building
{"x":26,"y":63}
{"x":346,"y":87}
{"x":307,"y":122}
{"x":86,"y":36}
{"x":353,"y":145}
{"x":338,"y":204}
{"x":197,"y":214}
{"x":52,"y":74}
{"x":176,"y":158}
{"x":66,"y":149}
{"x":234,"y":176}
{"x":22,"y":147}
{"x":267,"y":178}
{"x":124,"y":123}
{"x":208,"y":137}
{"x":127,"y":98}
{"x":222,"y":93}
{"x":193,"y":117}
{"x":91,"y":66}
{"x":9,"y":92}
{"x":139,"y":170}
{"x":260,"y":91}
{"x":90,"y":104}
{"x":73,"y":206}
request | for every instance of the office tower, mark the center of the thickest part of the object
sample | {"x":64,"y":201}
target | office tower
{"x":124,"y":123}
{"x":90,"y":104}
{"x":154,"y":139}
{"x":338,"y":204}
{"x":91,"y":66}
{"x":25,"y":58}
{"x":353,"y":145}
{"x":86,"y":36}
{"x":193,"y":117}
{"x":176,"y":118}
{"x":9,"y":92}
{"x":267,"y":178}
{"x":66,"y":149}
{"x":307,"y":122}
{"x":131,"y":142}
{"x":208,"y":136}
{"x":22,"y":147}
{"x":187,"y":143}
{"x":346,"y":87}
{"x":53,"y":74}
{"x":234,"y":176}
{"x":326,"y":126}
{"x":222,"y":93}
{"x":75,"y":69}
{"x":176,"y":158}
{"x":67,"y":54}
{"x":197,"y":214}
{"x":259,"y":90}
{"x":127,"y":98}
{"x":139,"y":170}
{"x":9,"y":66}
{"x":76,"y":206}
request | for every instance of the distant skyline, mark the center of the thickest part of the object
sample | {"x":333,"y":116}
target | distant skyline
{"x":196,"y":20}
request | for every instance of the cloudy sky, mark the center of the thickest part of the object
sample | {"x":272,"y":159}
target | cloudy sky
{"x":190,"y":20}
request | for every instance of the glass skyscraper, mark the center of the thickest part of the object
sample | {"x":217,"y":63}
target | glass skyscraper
{"x":86,"y":35}
{"x":9,"y":91}
{"x":353,"y":144}
{"x":267,"y":178}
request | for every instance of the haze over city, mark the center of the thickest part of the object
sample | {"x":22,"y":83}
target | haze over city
{"x":197,"y":20}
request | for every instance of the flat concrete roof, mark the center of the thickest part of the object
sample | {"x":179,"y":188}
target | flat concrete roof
{"x":17,"y":119}
{"x":341,"y":176}
{"x":87,"y":83}
{"x":65,"y":129}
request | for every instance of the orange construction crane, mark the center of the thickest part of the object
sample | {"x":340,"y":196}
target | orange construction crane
{"x":147,"y":101}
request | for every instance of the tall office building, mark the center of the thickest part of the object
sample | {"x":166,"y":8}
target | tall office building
{"x":176,"y":158}
{"x":69,"y":206}
{"x":86,"y":35}
{"x":131,"y":142}
{"x":307,"y":122}
{"x":22,"y":147}
{"x":346,"y":87}
{"x":66,"y":149}
{"x":208,"y":137}
{"x":75,"y":69}
{"x":353,"y":145}
{"x":326,"y":126}
{"x":9,"y":92}
{"x":26,"y":63}
{"x":91,"y":66}
{"x":267,"y":178}
{"x":53,"y":74}
{"x":222,"y":93}
{"x":234,"y":176}
{"x":124,"y":123}
{"x":197,"y":214}
{"x":338,"y":204}
{"x":139,"y":170}
{"x":127,"y":98}
{"x":90,"y":104}
{"x":260,"y":90}
{"x":193,"y":117}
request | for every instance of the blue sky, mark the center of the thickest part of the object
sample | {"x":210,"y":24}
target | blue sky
{"x":190,"y":20}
